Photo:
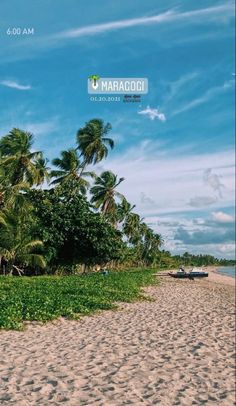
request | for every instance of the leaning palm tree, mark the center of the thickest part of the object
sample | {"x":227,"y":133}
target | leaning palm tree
{"x":93,"y":142}
{"x":70,"y":170}
{"x":17,"y":158}
{"x":145,"y":231}
{"x":17,"y":244}
{"x":124,"y":208}
{"x":151,"y":247}
{"x":104,"y":193}
{"x":131,"y":228}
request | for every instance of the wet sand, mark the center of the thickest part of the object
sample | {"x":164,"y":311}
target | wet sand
{"x":176,"y":350}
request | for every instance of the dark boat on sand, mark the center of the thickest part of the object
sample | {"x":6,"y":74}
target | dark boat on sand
{"x":189,"y":275}
{"x":182,"y":274}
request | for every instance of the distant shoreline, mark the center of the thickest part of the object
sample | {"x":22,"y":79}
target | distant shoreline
{"x":225,"y":274}
{"x":218,"y":277}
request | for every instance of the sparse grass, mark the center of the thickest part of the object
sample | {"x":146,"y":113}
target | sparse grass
{"x":45,"y":298}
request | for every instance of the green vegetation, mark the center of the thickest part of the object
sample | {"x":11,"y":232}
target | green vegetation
{"x":70,"y":217}
{"x":67,"y":220}
{"x":45,"y":298}
{"x":56,"y":217}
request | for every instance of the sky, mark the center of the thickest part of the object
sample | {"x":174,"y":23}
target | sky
{"x":175,"y":148}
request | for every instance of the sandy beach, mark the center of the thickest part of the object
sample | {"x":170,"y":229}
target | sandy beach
{"x":175,"y":350}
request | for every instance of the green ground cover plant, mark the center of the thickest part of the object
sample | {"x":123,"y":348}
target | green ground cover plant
{"x":45,"y":298}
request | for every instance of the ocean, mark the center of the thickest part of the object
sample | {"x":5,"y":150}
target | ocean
{"x":227,"y":270}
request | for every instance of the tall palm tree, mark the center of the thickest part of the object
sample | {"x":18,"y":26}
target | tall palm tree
{"x":149,"y":244}
{"x":17,"y":159}
{"x":145,"y":231}
{"x":124,"y":208}
{"x":70,"y":170}
{"x":158,"y":239}
{"x":104,"y":193}
{"x":93,"y":142}
{"x":131,"y":228}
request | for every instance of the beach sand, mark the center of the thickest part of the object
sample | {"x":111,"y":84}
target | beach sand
{"x":176,"y":350}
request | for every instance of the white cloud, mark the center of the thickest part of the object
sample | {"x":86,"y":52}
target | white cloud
{"x":171,"y":180}
{"x":38,"y":129}
{"x":217,"y":15}
{"x":213,"y":180}
{"x":15,"y":85}
{"x":178,"y":84}
{"x":222,"y":217}
{"x":206,"y":36}
{"x":228,"y":249}
{"x":211,"y":14}
{"x":197,"y":235}
{"x":202,"y":201}
{"x":144,"y":199}
{"x":153,"y":113}
{"x":114,"y":25}
{"x":43,"y":128}
{"x":208,"y":95}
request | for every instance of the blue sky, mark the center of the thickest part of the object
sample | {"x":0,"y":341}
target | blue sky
{"x":179,"y":171}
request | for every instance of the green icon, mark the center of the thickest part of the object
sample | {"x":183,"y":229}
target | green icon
{"x":94,"y":79}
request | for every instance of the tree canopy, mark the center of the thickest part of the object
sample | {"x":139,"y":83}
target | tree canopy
{"x":67,"y":214}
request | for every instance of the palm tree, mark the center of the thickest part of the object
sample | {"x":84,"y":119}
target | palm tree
{"x":124,"y":208}
{"x":42,"y":170}
{"x":93,"y":142}
{"x":17,"y":244}
{"x":131,"y":228}
{"x":17,"y":159}
{"x":70,"y":170}
{"x":14,"y":196}
{"x":157,"y":241}
{"x":104,"y":193}
{"x":145,"y":232}
{"x":150,"y":240}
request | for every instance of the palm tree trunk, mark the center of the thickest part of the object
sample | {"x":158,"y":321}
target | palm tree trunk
{"x":83,"y":168}
{"x":105,"y":207}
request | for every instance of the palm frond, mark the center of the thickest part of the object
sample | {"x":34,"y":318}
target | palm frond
{"x":33,"y":260}
{"x":35,"y":244}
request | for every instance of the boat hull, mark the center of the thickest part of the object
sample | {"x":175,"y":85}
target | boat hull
{"x":189,"y":275}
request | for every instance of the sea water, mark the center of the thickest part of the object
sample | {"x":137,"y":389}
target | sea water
{"x":227,"y":270}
